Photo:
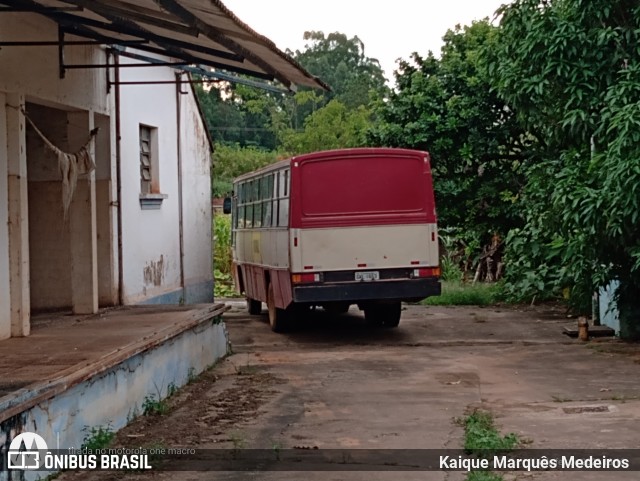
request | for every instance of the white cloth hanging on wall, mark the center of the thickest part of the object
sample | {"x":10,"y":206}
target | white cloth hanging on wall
{"x":69,"y":165}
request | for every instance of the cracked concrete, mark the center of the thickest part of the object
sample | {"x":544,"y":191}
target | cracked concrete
{"x":339,"y":384}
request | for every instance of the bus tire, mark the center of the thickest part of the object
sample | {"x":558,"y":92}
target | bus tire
{"x":384,"y":314}
{"x":254,"y":307}
{"x":277,"y":317}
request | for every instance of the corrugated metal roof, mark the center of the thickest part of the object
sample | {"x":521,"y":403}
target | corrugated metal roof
{"x":203,"y":32}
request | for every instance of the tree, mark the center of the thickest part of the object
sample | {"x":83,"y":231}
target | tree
{"x":571,"y":69}
{"x":224,"y":119}
{"x":446,"y":106}
{"x":341,"y":62}
{"x":238,"y":114}
{"x":333,"y":126}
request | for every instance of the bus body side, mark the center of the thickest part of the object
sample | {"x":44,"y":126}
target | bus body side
{"x":355,"y":226}
{"x":261,"y":208}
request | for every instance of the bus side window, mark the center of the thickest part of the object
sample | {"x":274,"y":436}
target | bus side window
{"x":284,"y":212}
{"x":248,"y":216}
{"x":257,"y":214}
{"x":240,"y":206}
{"x":267,"y":195}
{"x":276,"y":197}
{"x":283,"y":204}
{"x":286,"y":183}
{"x":234,"y":207}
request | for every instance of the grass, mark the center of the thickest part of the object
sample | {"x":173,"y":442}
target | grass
{"x":152,"y":406}
{"x":482,"y":439}
{"x":483,"y":476}
{"x":481,"y":435}
{"x":155,"y":405}
{"x":97,"y":437}
{"x":455,"y":293}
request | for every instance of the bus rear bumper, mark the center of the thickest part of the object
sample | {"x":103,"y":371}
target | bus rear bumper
{"x":396,"y":290}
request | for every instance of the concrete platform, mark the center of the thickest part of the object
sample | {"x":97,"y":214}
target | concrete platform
{"x":78,"y":372}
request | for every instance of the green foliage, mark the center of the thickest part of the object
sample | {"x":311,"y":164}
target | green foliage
{"x":483,"y":476}
{"x":171,"y":389}
{"x":481,"y":435}
{"x":154,"y":406}
{"x":231,"y":161}
{"x":450,"y":269}
{"x":333,"y":126}
{"x":571,"y":71}
{"x":239,"y":114}
{"x":223,"y":285}
{"x":447,"y":107}
{"x":221,"y":187}
{"x":222,"y":243}
{"x":456,"y":293}
{"x":482,"y":439}
{"x":341,"y":62}
{"x":222,"y":257}
{"x":97,"y":437}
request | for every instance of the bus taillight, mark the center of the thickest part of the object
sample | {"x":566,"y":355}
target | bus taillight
{"x":427,"y":272}
{"x":306,"y":278}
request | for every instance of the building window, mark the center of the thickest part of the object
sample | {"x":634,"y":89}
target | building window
{"x":150,"y":196}
{"x":146,"y":168}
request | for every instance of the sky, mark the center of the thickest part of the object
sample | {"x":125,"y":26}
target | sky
{"x":389,"y":30}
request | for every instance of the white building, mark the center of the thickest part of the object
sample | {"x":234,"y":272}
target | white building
{"x":138,"y":228}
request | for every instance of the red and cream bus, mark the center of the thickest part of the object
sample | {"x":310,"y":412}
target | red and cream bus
{"x":336,"y":228}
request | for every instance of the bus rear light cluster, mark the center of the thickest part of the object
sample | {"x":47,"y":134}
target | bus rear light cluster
{"x":426,"y":272}
{"x":306,"y":278}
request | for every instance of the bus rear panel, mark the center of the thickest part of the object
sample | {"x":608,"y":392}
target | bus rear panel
{"x":363,"y":222}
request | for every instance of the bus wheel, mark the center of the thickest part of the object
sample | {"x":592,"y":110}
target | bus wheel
{"x":277,"y":317}
{"x":384,"y":314}
{"x":254,"y":307}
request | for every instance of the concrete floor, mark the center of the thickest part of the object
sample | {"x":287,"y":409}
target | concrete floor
{"x":63,"y":346}
{"x":335,"y":383}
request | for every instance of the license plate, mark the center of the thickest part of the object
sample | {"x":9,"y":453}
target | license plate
{"x":368,"y":276}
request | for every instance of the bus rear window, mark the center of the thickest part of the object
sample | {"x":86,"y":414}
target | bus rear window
{"x":363,"y":186}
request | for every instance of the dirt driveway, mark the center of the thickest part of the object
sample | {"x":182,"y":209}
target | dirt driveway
{"x":335,"y":383}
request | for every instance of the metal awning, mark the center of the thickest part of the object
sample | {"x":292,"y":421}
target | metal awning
{"x":200,"y":32}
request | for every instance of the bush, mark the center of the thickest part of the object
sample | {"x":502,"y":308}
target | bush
{"x":222,"y":254}
{"x":231,"y":161}
{"x":222,"y":257}
{"x":221,"y":187}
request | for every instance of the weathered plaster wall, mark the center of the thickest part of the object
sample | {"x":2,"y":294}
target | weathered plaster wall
{"x":34,"y":70}
{"x":32,"y":74}
{"x":151,"y":241}
{"x":5,"y":306}
{"x":196,"y":182}
{"x":106,"y":211}
{"x":49,"y":242}
{"x":151,"y":248}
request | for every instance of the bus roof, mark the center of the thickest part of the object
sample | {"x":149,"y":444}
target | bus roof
{"x":324,"y":154}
